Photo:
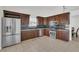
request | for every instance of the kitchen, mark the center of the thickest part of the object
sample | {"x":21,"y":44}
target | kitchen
{"x":45,"y":29}
{"x":54,"y":26}
{"x":42,"y":28}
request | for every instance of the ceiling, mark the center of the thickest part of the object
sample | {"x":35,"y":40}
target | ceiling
{"x":40,"y":10}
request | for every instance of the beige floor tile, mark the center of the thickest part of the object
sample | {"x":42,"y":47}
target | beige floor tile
{"x":44,"y":44}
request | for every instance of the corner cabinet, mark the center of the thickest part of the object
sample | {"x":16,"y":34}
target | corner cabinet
{"x":42,"y":20}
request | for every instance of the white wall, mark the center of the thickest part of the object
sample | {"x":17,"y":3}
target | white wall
{"x":74,"y":20}
{"x":0,"y":34}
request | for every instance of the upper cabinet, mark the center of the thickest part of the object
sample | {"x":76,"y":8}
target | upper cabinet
{"x":11,"y":14}
{"x":51,"y":18}
{"x":64,"y":18}
{"x":60,"y":18}
{"x":42,"y":20}
{"x":24,"y":17}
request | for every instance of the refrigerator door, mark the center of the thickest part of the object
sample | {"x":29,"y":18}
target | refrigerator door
{"x":16,"y":30}
{"x":18,"y":26}
{"x":6,"y":26}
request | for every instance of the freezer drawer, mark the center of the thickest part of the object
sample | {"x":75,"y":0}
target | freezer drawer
{"x":10,"y":40}
{"x":7,"y":41}
{"x":16,"y":39}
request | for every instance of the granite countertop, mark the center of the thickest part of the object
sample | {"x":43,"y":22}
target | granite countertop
{"x":29,"y":29}
{"x":62,"y":30}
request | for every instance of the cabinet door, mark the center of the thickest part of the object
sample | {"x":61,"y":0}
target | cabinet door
{"x":24,"y":19}
{"x":46,"y":32}
{"x":57,"y":18}
{"x":59,"y":34}
{"x":62,"y":18}
{"x":65,"y":35}
{"x":25,"y":35}
{"x":65,"y":18}
{"x":40,"y":21}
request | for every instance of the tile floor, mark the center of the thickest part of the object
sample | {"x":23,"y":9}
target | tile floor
{"x":44,"y":44}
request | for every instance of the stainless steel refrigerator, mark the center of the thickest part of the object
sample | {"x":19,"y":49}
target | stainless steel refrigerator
{"x":11,"y":31}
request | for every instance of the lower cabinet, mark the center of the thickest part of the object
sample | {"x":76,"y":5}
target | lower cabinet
{"x":62,"y":35}
{"x":29,"y":34}
{"x":46,"y":32}
{"x":59,"y":34}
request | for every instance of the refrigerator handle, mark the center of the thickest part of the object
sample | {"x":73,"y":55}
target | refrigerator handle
{"x":10,"y":27}
{"x":7,"y":29}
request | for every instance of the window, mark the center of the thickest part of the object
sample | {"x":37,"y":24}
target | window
{"x":32,"y":22}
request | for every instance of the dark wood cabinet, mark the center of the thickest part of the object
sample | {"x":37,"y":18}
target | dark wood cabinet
{"x":60,"y":18}
{"x":42,"y":20}
{"x":63,"y":18}
{"x":24,"y":19}
{"x":65,"y":35}
{"x":62,"y":35}
{"x":11,"y":14}
{"x":46,"y":32}
{"x":59,"y":34}
{"x":51,"y":18}
{"x":25,"y":35}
